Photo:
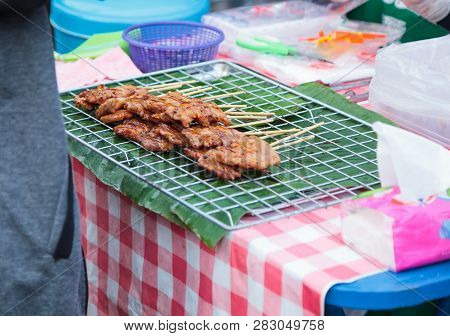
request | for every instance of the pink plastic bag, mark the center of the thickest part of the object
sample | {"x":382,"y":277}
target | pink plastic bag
{"x":398,"y":234}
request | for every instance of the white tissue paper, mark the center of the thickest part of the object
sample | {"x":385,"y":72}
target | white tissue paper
{"x":420,"y":167}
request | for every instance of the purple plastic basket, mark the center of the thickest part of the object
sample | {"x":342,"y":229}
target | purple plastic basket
{"x":162,"y":45}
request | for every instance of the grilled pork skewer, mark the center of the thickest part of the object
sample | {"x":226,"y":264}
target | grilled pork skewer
{"x":159,"y":123}
{"x":153,"y":137}
{"x":248,"y":152}
{"x":116,"y":117}
{"x":223,"y":171}
{"x":210,"y":137}
{"x":223,"y":151}
{"x":230,"y":160}
{"x":92,"y":98}
{"x":170,"y":108}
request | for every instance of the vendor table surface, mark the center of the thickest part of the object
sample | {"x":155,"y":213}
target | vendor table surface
{"x":151,"y":269}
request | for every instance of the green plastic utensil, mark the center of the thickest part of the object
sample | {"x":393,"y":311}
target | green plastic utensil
{"x":267,"y":44}
{"x":271,"y":45}
{"x":95,"y":46}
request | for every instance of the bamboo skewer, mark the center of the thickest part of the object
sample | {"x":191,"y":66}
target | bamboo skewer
{"x":265,"y":121}
{"x":260,"y":112}
{"x":247,"y":117}
{"x":303,"y":131}
{"x":190,"y":93}
{"x":225,"y":95}
{"x":232,"y":106}
{"x":191,"y":89}
{"x":158,"y":86}
{"x":307,"y":138}
{"x":277,"y":132}
{"x":233,"y":112}
{"x":269,"y":136}
{"x":166,"y":88}
{"x":296,"y":130}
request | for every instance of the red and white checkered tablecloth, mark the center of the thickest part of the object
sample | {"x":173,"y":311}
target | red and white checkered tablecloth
{"x":141,"y":264}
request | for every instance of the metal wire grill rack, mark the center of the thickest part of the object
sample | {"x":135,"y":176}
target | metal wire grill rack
{"x":338,"y":164}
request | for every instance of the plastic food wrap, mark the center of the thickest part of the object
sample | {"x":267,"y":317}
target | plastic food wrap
{"x":288,"y":18}
{"x":411,"y":87}
{"x":355,"y":38}
{"x":291,"y":22}
{"x":350,"y":61}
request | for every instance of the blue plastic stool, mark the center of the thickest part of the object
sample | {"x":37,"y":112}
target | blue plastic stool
{"x":388,"y":290}
{"x":74,"y":21}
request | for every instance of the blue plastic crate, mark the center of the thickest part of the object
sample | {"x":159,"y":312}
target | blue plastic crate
{"x":74,"y":21}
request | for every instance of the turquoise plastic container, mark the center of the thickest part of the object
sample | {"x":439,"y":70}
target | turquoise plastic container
{"x":74,"y":21}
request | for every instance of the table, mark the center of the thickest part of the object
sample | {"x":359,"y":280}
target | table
{"x":154,"y":267}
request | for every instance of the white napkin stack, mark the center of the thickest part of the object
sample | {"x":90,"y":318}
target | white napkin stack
{"x":417,"y":165}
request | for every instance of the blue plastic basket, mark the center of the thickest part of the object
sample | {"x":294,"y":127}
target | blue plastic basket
{"x":162,"y":45}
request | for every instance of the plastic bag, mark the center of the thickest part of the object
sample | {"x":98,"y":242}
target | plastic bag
{"x":411,"y":87}
{"x":286,"y":18}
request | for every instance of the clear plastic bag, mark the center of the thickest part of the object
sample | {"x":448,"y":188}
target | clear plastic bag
{"x":411,"y":87}
{"x":286,"y":18}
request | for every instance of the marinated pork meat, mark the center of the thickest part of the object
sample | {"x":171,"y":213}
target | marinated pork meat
{"x":110,"y":106}
{"x":174,"y":107}
{"x":90,"y":99}
{"x":171,"y":133}
{"x":118,"y":116}
{"x":221,"y":170}
{"x":249,"y":152}
{"x":209,"y":137}
{"x":144,"y":107}
{"x":159,"y":123}
{"x":227,"y":161}
{"x":144,"y":133}
{"x":194,"y":154}
{"x":188,"y":110}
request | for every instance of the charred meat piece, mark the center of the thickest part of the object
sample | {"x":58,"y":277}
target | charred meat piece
{"x":221,"y":170}
{"x":141,"y":132}
{"x":155,"y":143}
{"x":174,"y":107}
{"x":110,"y":106}
{"x":90,"y":99}
{"x":116,"y":117}
{"x":171,"y":133}
{"x":209,"y":137}
{"x":236,"y":152}
{"x":194,"y":154}
{"x":158,"y":138}
{"x":143,"y":107}
{"x":134,"y":128}
{"x":187,"y":110}
{"x":250,"y":152}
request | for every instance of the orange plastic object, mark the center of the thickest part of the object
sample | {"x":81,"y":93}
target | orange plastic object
{"x":344,"y":36}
